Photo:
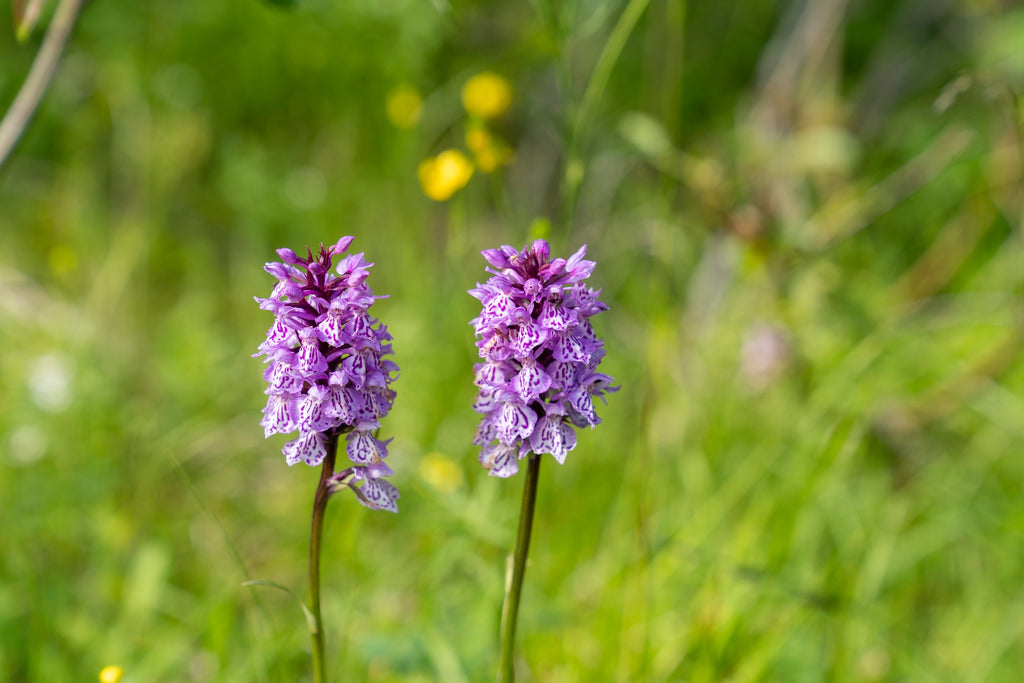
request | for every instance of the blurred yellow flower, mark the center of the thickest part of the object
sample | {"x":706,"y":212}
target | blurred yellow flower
{"x":404,"y":106}
{"x":440,"y":472}
{"x":486,"y":95}
{"x":445,"y":174}
{"x":111,"y":674}
{"x":488,"y":151}
{"x":478,"y":138}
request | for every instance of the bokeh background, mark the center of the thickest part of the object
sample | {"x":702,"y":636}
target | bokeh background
{"x":807,"y":218}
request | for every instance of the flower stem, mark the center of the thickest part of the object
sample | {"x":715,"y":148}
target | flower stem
{"x":323,"y":493}
{"x":514,"y":588}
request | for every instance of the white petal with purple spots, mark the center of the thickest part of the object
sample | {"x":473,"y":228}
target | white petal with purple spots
{"x":362,"y":448}
{"x":380,"y":495}
{"x":553,"y":436}
{"x":308,"y":448}
{"x":531,"y":381}
{"x":569,"y":347}
{"x":515,"y":421}
{"x":526,"y":337}
{"x":280,"y":415}
{"x":500,"y":460}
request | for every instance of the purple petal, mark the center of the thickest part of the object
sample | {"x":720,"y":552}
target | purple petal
{"x":499,"y":460}
{"x":310,"y":360}
{"x":375,"y":403}
{"x":366,"y":410}
{"x":288,"y":256}
{"x":343,"y":403}
{"x":359,"y":326}
{"x":362,"y":448}
{"x":485,"y":433}
{"x":554,"y":316}
{"x":496,"y":348}
{"x":541,"y":250}
{"x":355,"y":367}
{"x":563,"y":374}
{"x":282,"y":379}
{"x":312,"y":416}
{"x":526,"y":337}
{"x":577,"y":267}
{"x":515,"y":421}
{"x":492,"y":374}
{"x":531,"y":381}
{"x":308,"y":448}
{"x":380,"y":495}
{"x":569,"y":347}
{"x":582,"y":403}
{"x":553,"y":436}
{"x":498,"y":308}
{"x":496,"y":258}
{"x":484,"y":403}
{"x":341,"y":246}
{"x":331,"y":327}
{"x":280,"y":333}
{"x":280,"y":415}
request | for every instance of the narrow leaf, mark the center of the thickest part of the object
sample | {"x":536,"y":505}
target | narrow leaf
{"x":310,"y":619}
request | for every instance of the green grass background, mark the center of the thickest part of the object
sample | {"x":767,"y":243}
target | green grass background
{"x":847,"y":173}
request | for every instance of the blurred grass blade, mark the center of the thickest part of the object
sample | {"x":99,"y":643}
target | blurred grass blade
{"x":608,"y":58}
{"x":282,"y":3}
{"x":647,"y":135}
{"x":26,"y":15}
{"x":310,"y":619}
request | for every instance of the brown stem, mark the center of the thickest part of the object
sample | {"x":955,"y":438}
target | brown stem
{"x":39,"y":76}
{"x":323,"y":493}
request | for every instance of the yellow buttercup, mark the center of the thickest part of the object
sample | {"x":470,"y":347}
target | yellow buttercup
{"x":444,"y":175}
{"x":486,"y":95}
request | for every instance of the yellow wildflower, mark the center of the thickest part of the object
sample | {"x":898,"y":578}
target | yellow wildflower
{"x":478,"y":139}
{"x":404,"y":106}
{"x":111,"y":674}
{"x":486,"y":95}
{"x":445,"y":174}
{"x":440,"y":472}
{"x":488,"y":151}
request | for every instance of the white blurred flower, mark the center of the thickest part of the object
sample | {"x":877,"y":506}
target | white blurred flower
{"x":49,"y":383}
{"x":27,"y":445}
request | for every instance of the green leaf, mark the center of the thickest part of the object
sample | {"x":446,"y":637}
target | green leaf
{"x":310,"y":619}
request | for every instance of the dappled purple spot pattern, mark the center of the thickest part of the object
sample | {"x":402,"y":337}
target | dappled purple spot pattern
{"x":326,"y":372}
{"x":540,"y":355}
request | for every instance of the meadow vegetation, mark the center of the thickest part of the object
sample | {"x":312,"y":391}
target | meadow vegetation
{"x":807,"y":223}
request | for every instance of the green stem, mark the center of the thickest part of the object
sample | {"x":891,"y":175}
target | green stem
{"x":514,"y":588}
{"x":323,"y":493}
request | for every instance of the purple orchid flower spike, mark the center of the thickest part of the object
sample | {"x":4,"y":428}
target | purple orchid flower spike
{"x":327,"y":377}
{"x":537,"y":381}
{"x":326,"y":372}
{"x":540,"y":355}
